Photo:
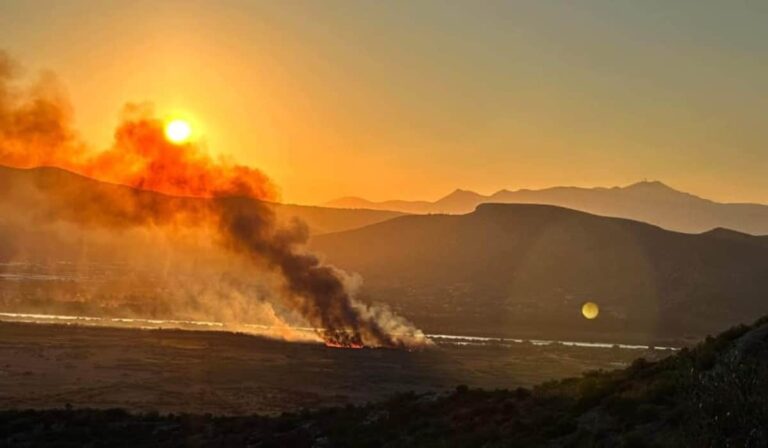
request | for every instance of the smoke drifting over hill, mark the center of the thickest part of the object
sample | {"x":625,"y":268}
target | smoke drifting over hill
{"x":36,"y":130}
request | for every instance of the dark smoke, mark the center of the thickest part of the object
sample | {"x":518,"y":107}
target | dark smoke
{"x":35,"y":130}
{"x":314,"y":289}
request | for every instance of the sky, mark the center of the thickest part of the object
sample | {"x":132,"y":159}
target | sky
{"x":413,"y":99}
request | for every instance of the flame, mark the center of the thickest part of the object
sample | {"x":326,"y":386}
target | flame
{"x":334,"y":344}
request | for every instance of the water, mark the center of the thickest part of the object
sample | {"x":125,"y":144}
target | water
{"x":441,"y":339}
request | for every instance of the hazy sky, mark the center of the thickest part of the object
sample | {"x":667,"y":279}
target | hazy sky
{"x":412,"y":99}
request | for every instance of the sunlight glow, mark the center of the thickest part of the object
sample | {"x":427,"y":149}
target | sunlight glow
{"x":178,"y":131}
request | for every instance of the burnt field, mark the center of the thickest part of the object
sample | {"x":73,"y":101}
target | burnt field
{"x":56,"y":366}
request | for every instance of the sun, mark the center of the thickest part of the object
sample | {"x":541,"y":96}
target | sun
{"x":590,"y":310}
{"x":178,"y":131}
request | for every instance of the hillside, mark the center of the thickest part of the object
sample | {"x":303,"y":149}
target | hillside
{"x":525,"y":270}
{"x":503,"y":270}
{"x":327,"y":220}
{"x":55,"y":259}
{"x":652,"y":202}
{"x":319,"y":219}
{"x":711,"y":395}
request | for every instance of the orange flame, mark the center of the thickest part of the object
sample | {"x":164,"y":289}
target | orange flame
{"x":334,"y":344}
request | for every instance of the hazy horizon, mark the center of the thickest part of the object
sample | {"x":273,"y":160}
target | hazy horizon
{"x":335,"y":99}
{"x":492,"y":191}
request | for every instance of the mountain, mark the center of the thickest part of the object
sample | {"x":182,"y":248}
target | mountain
{"x":326,"y":219}
{"x":652,"y":202}
{"x":505,"y":269}
{"x":351,"y":202}
{"x":319,"y":219}
{"x":459,"y":201}
{"x":524,"y":270}
{"x":711,"y":395}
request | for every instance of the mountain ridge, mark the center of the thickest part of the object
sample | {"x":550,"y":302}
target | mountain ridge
{"x":515,"y":269}
{"x":319,"y":219}
{"x":649,"y":201}
{"x":512,"y":269}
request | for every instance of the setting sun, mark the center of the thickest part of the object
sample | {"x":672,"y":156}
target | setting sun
{"x":178,"y":131}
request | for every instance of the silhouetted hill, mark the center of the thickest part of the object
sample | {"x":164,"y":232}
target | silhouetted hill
{"x":327,"y":220}
{"x":711,"y":395}
{"x":352,"y":202}
{"x":733,"y":235}
{"x":511,"y":269}
{"x":652,"y":202}
{"x":458,"y":202}
{"x":319,"y":219}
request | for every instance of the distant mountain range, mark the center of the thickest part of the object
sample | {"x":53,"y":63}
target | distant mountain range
{"x":652,"y":202}
{"x":327,"y":219}
{"x":504,"y":269}
{"x":525,"y":270}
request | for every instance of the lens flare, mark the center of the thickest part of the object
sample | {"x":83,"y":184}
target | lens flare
{"x":590,"y":310}
{"x":178,"y":131}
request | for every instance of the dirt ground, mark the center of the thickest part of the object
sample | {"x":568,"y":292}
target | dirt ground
{"x":52,"y":366}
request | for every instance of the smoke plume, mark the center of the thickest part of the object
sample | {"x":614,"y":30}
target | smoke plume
{"x":36,"y":131}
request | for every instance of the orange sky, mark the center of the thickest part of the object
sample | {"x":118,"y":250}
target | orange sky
{"x":413,"y":99}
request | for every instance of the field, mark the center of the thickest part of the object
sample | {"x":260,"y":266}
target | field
{"x":56,"y":366}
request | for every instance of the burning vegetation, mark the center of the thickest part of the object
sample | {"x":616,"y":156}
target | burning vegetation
{"x":36,"y":130}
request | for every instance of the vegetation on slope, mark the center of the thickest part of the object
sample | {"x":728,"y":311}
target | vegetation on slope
{"x":711,"y":395}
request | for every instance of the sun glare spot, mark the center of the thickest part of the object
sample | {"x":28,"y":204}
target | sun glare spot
{"x":590,"y":310}
{"x":178,"y":131}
